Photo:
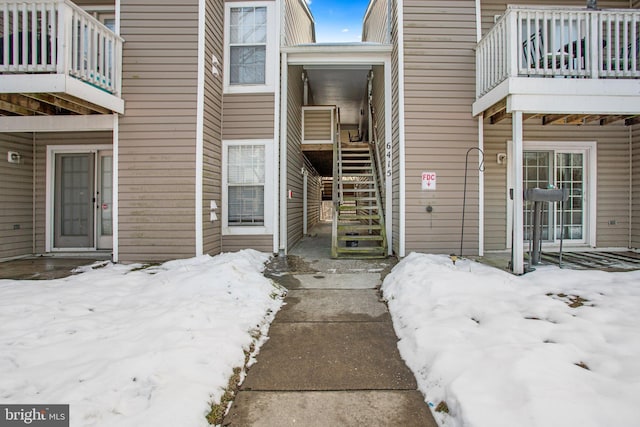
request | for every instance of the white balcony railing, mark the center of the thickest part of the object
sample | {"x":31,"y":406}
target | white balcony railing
{"x":559,"y":42}
{"x":58,"y":37}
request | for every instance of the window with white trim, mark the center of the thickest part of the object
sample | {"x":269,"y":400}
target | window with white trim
{"x":247,"y":193}
{"x":249,"y":47}
{"x":246,"y":176}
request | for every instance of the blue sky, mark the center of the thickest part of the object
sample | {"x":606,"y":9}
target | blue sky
{"x":338,"y":20}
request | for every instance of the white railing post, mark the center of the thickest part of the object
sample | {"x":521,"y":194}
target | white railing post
{"x":513,"y":42}
{"x":63,"y":18}
{"x":595,"y":56}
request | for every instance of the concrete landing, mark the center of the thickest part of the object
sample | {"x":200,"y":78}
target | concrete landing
{"x":337,"y":408}
{"x":332,"y":357}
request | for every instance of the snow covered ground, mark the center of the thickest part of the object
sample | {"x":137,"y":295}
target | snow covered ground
{"x":127,"y":347}
{"x":550,"y":348}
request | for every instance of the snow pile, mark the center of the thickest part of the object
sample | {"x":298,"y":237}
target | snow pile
{"x":551,"y":348}
{"x":132,"y":346}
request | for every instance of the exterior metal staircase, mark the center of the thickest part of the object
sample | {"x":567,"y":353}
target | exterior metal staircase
{"x":358,"y":221}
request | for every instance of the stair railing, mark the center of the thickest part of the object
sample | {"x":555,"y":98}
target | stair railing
{"x":377,"y":173}
{"x":373,"y":144}
{"x":337,"y":184}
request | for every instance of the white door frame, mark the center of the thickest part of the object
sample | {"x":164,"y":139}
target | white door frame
{"x":590,"y":180}
{"x":52,"y":150}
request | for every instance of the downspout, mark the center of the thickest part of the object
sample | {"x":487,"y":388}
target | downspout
{"x":115,"y":255}
{"x":116,"y":178}
{"x":481,"y":147}
{"x":282,"y":248}
{"x":401,"y":138}
{"x":199,"y":161}
{"x":280,"y":135}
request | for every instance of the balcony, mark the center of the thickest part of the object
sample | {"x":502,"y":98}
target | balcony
{"x":580,"y":63}
{"x":56,"y":59}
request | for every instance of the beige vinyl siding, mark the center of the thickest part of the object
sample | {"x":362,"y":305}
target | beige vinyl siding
{"x":395,"y":128}
{"x":298,"y":23}
{"x":439,"y":38}
{"x":375,"y":27}
{"x":248,"y":116}
{"x":212,"y":145}
{"x":317,"y":124}
{"x":613,"y":172}
{"x":43,"y":140}
{"x":314,"y":199}
{"x":16,"y":196}
{"x":295,"y":161}
{"x":262,"y":243}
{"x":158,"y":132}
{"x":635,"y":218}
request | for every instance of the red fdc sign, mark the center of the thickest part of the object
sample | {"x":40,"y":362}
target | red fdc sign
{"x":428,"y":180}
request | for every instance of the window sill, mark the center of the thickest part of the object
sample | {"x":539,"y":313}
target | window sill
{"x":245,"y":231}
{"x":231,"y":89}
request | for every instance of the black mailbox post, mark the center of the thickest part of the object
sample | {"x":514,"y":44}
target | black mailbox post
{"x":539,"y":196}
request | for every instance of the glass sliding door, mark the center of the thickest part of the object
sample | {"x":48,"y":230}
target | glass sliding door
{"x":559,"y":169}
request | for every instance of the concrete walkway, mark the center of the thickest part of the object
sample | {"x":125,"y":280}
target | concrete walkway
{"x":332,"y":358}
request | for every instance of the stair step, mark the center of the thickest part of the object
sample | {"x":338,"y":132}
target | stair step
{"x":356,"y":175}
{"x":353,"y":207}
{"x":358,"y":250}
{"x":354,"y":227}
{"x":362,"y":154}
{"x":354,"y":149}
{"x":358,"y":190}
{"x":359,"y":199}
{"x":343,"y":217}
{"x":351,"y":161}
{"x":366,"y":237}
{"x":356,"y":168}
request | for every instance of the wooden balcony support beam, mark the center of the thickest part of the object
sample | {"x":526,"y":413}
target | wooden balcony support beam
{"x":554,"y":119}
{"x":56,"y":101}
{"x":607,"y":120}
{"x":633,"y":120}
{"x":24,"y":104}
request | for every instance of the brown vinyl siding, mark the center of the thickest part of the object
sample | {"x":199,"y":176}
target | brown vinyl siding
{"x":439,"y":72}
{"x":613,"y":171}
{"x":635,"y":215}
{"x":16,"y":196}
{"x":43,"y":140}
{"x":212,"y":145}
{"x":157,"y":138}
{"x":298,"y":24}
{"x":375,"y":27}
{"x":295,"y":161}
{"x":248,"y":116}
{"x":261,"y":242}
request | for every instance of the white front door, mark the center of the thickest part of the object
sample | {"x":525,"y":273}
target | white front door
{"x":82,"y":199}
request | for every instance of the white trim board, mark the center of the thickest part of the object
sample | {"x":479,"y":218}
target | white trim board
{"x":199,"y":239}
{"x":60,"y":83}
{"x":92,"y":122}
{"x":52,"y":150}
